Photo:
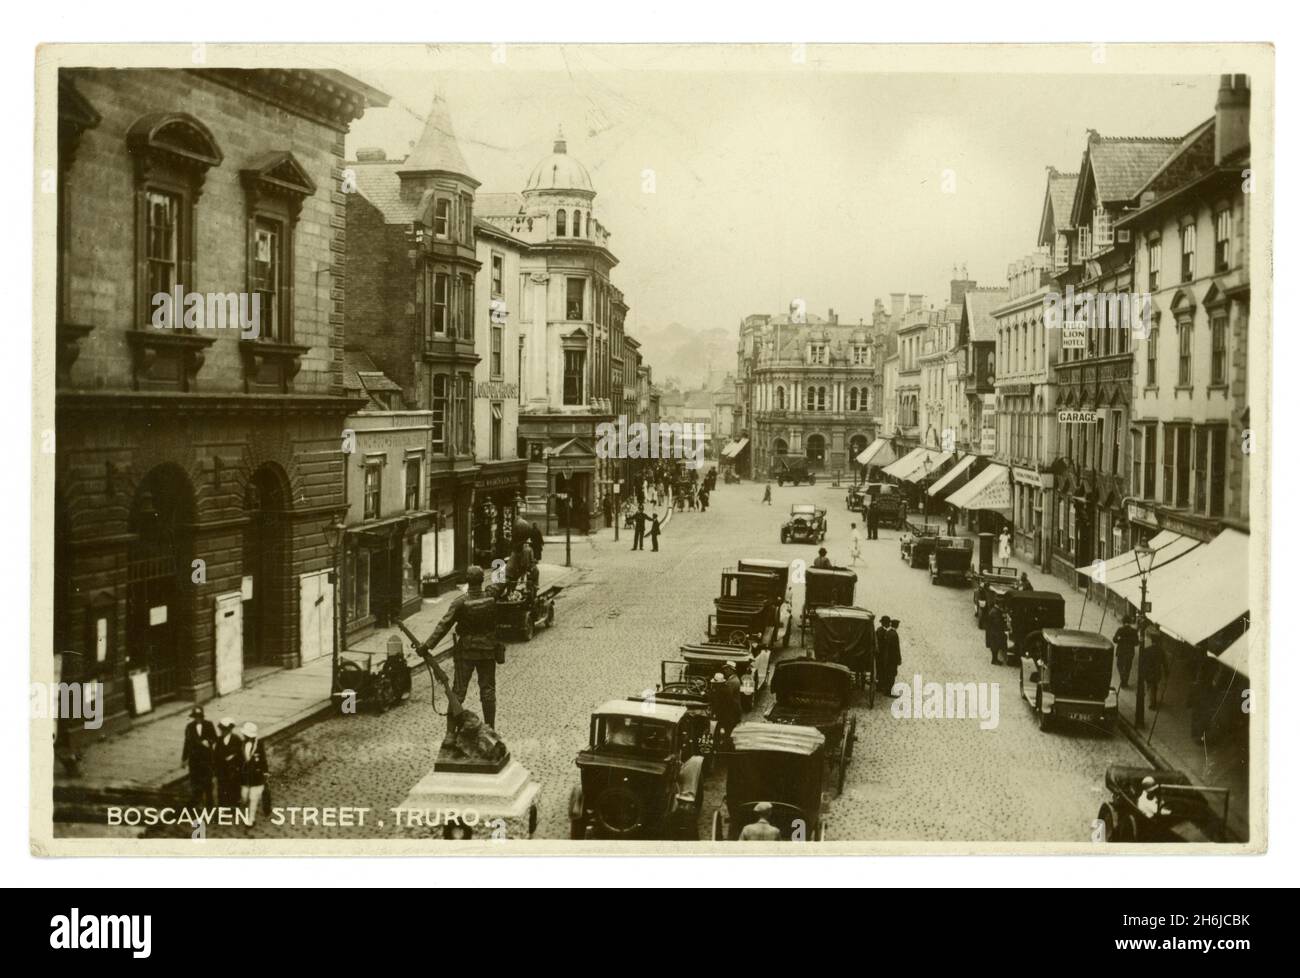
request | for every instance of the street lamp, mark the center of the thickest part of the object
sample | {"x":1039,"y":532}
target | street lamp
{"x":334,"y":539}
{"x":925,"y":493}
{"x":1145,"y":558}
{"x":565,"y":497}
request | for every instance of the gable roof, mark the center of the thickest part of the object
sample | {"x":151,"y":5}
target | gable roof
{"x":1058,"y":202}
{"x":977,"y":322}
{"x":1118,"y":167}
{"x":437,"y":150}
{"x":379,"y":183}
{"x":362,"y":376}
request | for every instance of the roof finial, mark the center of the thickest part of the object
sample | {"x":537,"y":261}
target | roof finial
{"x":560,"y":145}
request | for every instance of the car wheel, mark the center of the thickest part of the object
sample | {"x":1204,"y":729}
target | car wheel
{"x":550,"y":615}
{"x":718,"y":832}
{"x":527,"y":629}
{"x":577,"y":828}
{"x":1109,"y":822}
{"x":1044,"y":719}
{"x":1128,"y":829}
{"x":619,"y":811}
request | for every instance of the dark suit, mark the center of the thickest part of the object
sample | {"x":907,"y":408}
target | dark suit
{"x":654,"y":534}
{"x":200,"y":735}
{"x":228,"y":764}
{"x":638,"y":526}
{"x":888,"y":658}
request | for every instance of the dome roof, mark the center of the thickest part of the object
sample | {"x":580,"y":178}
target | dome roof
{"x":560,"y":171}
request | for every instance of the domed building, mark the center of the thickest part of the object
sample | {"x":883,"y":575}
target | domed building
{"x":571,"y":335}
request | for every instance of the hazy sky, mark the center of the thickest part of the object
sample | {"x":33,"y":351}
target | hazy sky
{"x":776,"y":180}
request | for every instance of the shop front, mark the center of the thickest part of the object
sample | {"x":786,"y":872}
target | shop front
{"x":499,"y":491}
{"x":383,"y":568}
{"x":1031,"y":499}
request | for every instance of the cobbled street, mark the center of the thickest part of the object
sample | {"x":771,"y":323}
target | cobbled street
{"x":623,"y":612}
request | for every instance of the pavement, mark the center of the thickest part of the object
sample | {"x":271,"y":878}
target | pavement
{"x":911,"y":778}
{"x":147,"y":756}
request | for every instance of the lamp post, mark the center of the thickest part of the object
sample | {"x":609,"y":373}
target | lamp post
{"x":334,"y":538}
{"x":1145,"y":558}
{"x":925,"y":492}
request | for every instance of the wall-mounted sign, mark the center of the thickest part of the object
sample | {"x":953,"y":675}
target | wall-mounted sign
{"x":1027,"y":477}
{"x":246,"y":588}
{"x":158,"y":615}
{"x":496,"y":390}
{"x":1076,"y":417}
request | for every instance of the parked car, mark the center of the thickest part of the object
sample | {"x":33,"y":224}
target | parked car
{"x":951,"y":559}
{"x":1175,"y":810}
{"x":990,"y":584}
{"x":1024,"y":612}
{"x":793,"y":471}
{"x":782,"y":765}
{"x":916,"y":545}
{"x":807,"y":524}
{"x":640,"y":774}
{"x":855,"y":498}
{"x":1070,"y":676}
{"x":892,"y":505}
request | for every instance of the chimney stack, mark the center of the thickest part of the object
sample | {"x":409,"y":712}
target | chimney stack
{"x":914,"y":301}
{"x":896,"y":300}
{"x":1231,"y":117}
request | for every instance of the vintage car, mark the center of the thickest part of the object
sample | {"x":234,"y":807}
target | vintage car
{"x":892,"y":505}
{"x":1024,"y":612}
{"x":748,"y":610}
{"x":1174,"y":810}
{"x":778,"y":590}
{"x":807,"y":524}
{"x":793,"y":470}
{"x":855,"y":498}
{"x":990,"y":584}
{"x":782,"y":765}
{"x":1070,"y":676}
{"x":825,"y":588}
{"x":847,"y":636}
{"x":950,"y":560}
{"x":371,"y":679}
{"x":641,"y":773}
{"x":917,"y":543}
{"x":701,"y":662}
{"x":730,"y":476}
{"x":518,"y":614}
{"x":809,"y":693}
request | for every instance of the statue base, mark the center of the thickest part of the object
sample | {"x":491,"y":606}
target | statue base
{"x":462,"y":803}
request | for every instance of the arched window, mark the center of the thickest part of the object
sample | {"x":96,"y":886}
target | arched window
{"x":853,"y":398}
{"x":816,"y":449}
{"x":821,"y":398}
{"x":810,"y":399}
{"x":577,"y":224}
{"x":780,"y":398}
{"x":779,"y":447}
{"x":561,"y":224}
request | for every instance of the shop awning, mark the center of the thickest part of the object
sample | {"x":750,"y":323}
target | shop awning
{"x":879,"y":452}
{"x":990,"y":490}
{"x":735,"y":448}
{"x":1201,"y":593}
{"x":952,"y":479}
{"x":912,"y":466}
{"x":1237,"y":655}
{"x":1168,"y":546}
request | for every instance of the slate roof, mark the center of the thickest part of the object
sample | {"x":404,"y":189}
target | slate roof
{"x":1119,"y":166}
{"x":980,"y":325}
{"x":379,"y":183}
{"x":361,"y":375}
{"x":437,"y":148}
{"x":498,"y":205}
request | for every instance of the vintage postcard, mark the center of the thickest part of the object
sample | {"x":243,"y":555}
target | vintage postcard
{"x":590,"y":448}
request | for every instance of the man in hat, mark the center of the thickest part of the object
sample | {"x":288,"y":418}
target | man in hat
{"x":477,"y":649}
{"x":253,"y":768}
{"x":1148,"y":804}
{"x":761,"y":830}
{"x":196,"y":753}
{"x":888,"y":656}
{"x":227,"y":763}
{"x":725,"y":691}
{"x":1126,"y":641}
{"x":521,"y":568}
{"x":654,"y":533}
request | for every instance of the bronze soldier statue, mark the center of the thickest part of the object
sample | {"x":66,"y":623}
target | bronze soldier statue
{"x":477,"y":649}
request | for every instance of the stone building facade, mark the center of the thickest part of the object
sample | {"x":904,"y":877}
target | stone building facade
{"x":197,"y":467}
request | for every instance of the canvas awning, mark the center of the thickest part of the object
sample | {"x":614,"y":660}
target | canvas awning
{"x":1200,"y":593}
{"x":912,"y":466}
{"x":1167,"y":545}
{"x":990,"y":490}
{"x":1237,"y":655}
{"x":735,"y":448}
{"x":879,"y":452}
{"x":952,"y":479}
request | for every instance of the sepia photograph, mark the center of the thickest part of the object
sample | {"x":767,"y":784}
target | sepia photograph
{"x":589,"y":448}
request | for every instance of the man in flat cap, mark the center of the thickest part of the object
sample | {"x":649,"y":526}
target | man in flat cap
{"x":761,"y":830}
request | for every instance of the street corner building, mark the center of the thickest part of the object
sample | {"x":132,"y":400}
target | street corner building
{"x":197,"y":466}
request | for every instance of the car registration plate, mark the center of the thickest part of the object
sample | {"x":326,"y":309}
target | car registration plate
{"x":1082,"y":715}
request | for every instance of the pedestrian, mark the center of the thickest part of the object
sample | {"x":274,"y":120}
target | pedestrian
{"x":607,"y":509}
{"x":536,"y":541}
{"x":476,"y":650}
{"x":855,"y":544}
{"x":196,"y":754}
{"x":1151,"y":667}
{"x":767,"y":493}
{"x":252,"y":772}
{"x":872,"y":518}
{"x":724,"y":693}
{"x":227,"y":764}
{"x":1004,"y":546}
{"x":888,"y":656}
{"x":638,"y":529}
{"x":995,"y":635}
{"x":654,"y":533}
{"x":822,"y":562}
{"x":952,"y":521}
{"x":1126,"y":640}
{"x":760,"y":830}
{"x":704,"y":500}
{"x":1024,"y":582}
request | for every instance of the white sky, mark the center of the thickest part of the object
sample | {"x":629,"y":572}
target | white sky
{"x":775,"y":180}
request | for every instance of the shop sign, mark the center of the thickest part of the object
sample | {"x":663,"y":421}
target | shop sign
{"x":496,"y":390}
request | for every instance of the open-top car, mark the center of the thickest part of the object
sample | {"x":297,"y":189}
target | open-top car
{"x":950,"y":560}
{"x":848,"y":636}
{"x":1024,"y":612}
{"x":917,"y":543}
{"x":701,"y":662}
{"x":641,"y":773}
{"x":748,"y":610}
{"x":782,"y":765}
{"x":991,"y":583}
{"x":809,"y":693}
{"x":1169,"y":809}
{"x":807,"y":524}
{"x":793,"y":470}
{"x":1070,"y":676}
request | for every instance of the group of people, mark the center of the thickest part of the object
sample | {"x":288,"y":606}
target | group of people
{"x":232,"y":763}
{"x":645,"y":524}
{"x":889,"y":655}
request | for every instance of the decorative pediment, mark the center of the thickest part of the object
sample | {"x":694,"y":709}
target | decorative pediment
{"x":1215,"y":297}
{"x":173,"y":140}
{"x":278,"y":174}
{"x":575,"y":340}
{"x":1183,"y":304}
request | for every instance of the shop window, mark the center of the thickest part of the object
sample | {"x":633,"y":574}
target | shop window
{"x":1218,"y":468}
{"x":373,"y":489}
{"x":1200,"y":472}
{"x":412,"y":484}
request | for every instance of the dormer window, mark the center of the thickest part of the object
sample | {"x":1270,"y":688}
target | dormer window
{"x":1103,"y":229}
{"x":1085,"y":243}
{"x":442,"y":219}
{"x":817,"y":353}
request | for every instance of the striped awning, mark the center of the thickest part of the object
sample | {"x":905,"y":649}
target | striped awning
{"x":879,"y":452}
{"x":1237,"y":655}
{"x":735,"y":448}
{"x":952,"y":479}
{"x":912,"y":466}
